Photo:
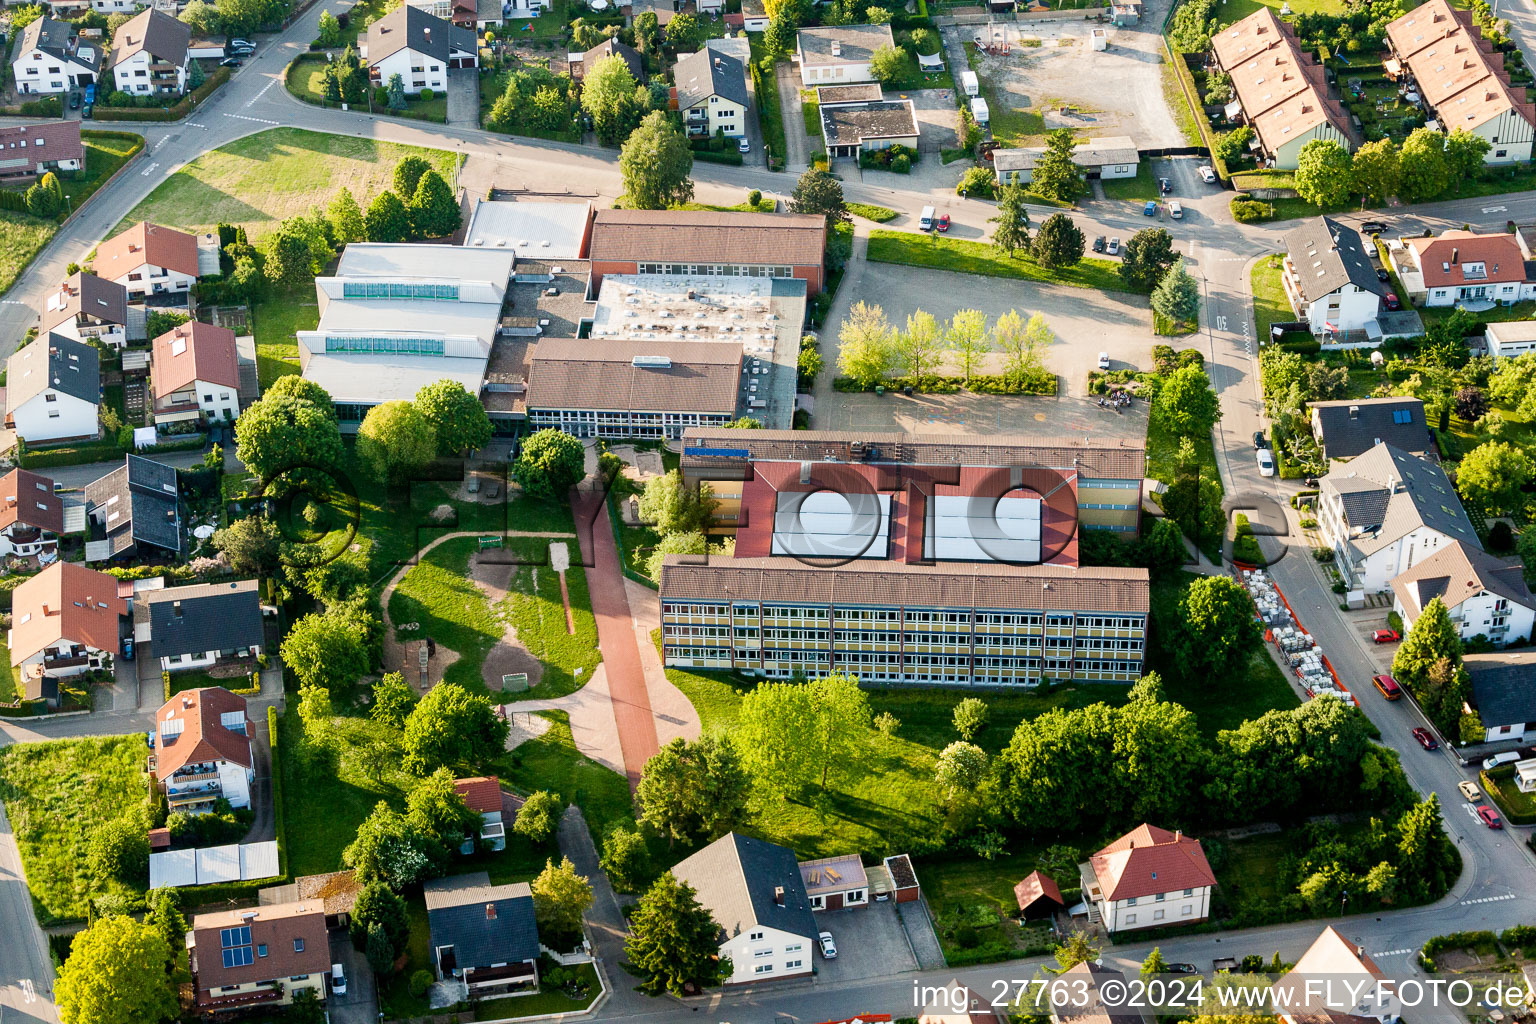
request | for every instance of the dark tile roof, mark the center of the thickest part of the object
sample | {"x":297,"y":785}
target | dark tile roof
{"x":425,"y":33}
{"x":57,"y":39}
{"x":148,"y":507}
{"x":204,"y":617}
{"x":162,"y":35}
{"x":611,"y":48}
{"x":736,"y":877}
{"x":709,"y":73}
{"x":86,"y":295}
{"x":1390,"y":493}
{"x":1328,"y":255}
{"x":67,"y":366}
{"x":1353,"y":426}
{"x":852,"y":124}
{"x":1504,"y":686}
{"x":457,"y":912}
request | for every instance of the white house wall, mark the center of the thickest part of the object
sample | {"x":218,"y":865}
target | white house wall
{"x":1288,"y":155}
{"x":433,"y":74}
{"x":39,"y":73}
{"x":1151,"y":912}
{"x":1509,"y":138}
{"x":35,"y":419}
{"x":152,"y":280}
{"x":777,"y":954}
{"x":836,"y":74}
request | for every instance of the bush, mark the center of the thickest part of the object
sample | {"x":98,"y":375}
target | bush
{"x":1500,"y":537}
{"x":1249,"y":211}
{"x":427,"y":95}
{"x":420,"y":982}
{"x":1307,"y":348}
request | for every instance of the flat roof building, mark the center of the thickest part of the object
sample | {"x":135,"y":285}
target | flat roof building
{"x":1111,"y":157}
{"x":531,"y":230}
{"x":851,"y":128}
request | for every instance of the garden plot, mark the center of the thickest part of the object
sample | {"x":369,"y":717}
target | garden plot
{"x":1049,"y":66}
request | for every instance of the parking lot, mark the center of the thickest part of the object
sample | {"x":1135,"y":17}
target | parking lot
{"x":870,"y":944}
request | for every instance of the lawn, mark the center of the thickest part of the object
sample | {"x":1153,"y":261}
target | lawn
{"x":541,"y":1002}
{"x":1518,"y":807}
{"x":7,"y":677}
{"x":438,"y":595}
{"x":552,"y":762}
{"x":963,"y":257}
{"x":196,"y":679}
{"x":257,"y":181}
{"x":21,"y":236}
{"x":276,"y":319}
{"x":1138,"y":189}
{"x":58,"y":794}
{"x":1269,"y":302}
{"x":1236,"y":10}
{"x":810,"y":111}
{"x":878,"y":214}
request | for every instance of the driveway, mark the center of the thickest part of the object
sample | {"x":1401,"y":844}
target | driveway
{"x":464,"y":98}
{"x":871,"y":943}
{"x":795,"y":140}
{"x":360,"y":1003}
{"x":263,"y":826}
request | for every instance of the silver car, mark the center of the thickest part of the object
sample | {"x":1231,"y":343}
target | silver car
{"x":828,"y":947}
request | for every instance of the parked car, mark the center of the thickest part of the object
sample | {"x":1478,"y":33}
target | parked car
{"x":1208,"y":175}
{"x":1181,"y":968}
{"x":1373,"y":227}
{"x":1175,"y":210}
{"x":86,"y":113}
{"x":1382,"y":275}
{"x":1259,"y":440}
{"x":1163,"y":186}
{"x":1490,"y":816}
{"x":1388,"y":687}
{"x":1386,"y":636}
{"x":1114,"y":246}
{"x":744,"y":145}
{"x":1266,"y":462}
{"x":231,"y":62}
{"x":1103,"y":360}
{"x":943,"y":224}
{"x":241,"y":44}
{"x":1508,"y":757}
{"x":1470,"y":791}
{"x":1426,"y":741}
{"x":828,"y":947}
{"x":74,"y":101}
{"x":126,"y":645}
{"x":1098,"y":244}
{"x":1150,"y":210}
{"x":338,"y":980}
{"x":1393,"y":303}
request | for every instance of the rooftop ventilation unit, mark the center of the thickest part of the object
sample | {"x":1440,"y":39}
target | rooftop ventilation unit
{"x":652,"y":362}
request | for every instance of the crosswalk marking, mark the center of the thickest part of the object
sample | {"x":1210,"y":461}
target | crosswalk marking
{"x":1491,"y":899}
{"x":1392,"y":952}
{"x":258,"y":120}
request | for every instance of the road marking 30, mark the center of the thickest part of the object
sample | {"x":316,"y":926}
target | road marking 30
{"x":1495,"y":209}
{"x":28,"y":993}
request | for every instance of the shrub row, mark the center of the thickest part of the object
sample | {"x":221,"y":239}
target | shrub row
{"x":981,"y":384}
{"x":51,"y":106}
{"x":100,"y":451}
{"x":175,"y":112}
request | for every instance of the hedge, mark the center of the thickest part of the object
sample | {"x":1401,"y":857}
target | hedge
{"x":175,"y":112}
{"x":101,"y":451}
{"x":52,"y":106}
{"x":724,"y":156}
{"x":274,"y":772}
{"x":979,"y":384}
{"x":1455,"y":940}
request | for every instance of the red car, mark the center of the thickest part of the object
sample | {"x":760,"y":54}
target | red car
{"x":943,"y":224}
{"x":1426,"y":741}
{"x":1490,"y":816}
{"x":1393,"y":304}
{"x":1386,"y":636}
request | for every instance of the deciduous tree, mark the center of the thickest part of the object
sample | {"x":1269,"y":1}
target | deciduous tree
{"x":324,"y":649}
{"x":379,"y":906}
{"x":452,"y":727}
{"x":389,"y":848}
{"x":249,"y":544}
{"x":395,"y":441}
{"x":539,"y":816}
{"x":672,"y":506}
{"x":434,"y":211}
{"x":1494,"y":475}
{"x":1423,"y":173}
{"x":560,"y":897}
{"x":795,"y":735}
{"x":117,"y":973}
{"x":655,"y":163}
{"x":961,"y":766}
{"x":1323,"y":173}
{"x":818,"y":192}
{"x":1374,"y":171}
{"x":408,"y":172}
{"x":1464,"y":153}
{"x":458,"y":419}
{"x":673,"y":942}
{"x":888,"y":64}
{"x":608,"y":95}
{"x":1220,"y":632}
{"x":684,"y":33}
{"x":346,"y":217}
{"x":625,"y":859}
{"x":550,"y":464}
{"x":1185,"y":403}
{"x":120,"y":850}
{"x":920,"y":347}
{"x":387,"y":219}
{"x":867,"y":350}
{"x":393,"y":700}
{"x":695,"y":790}
{"x":967,"y":338}
{"x":970,"y":717}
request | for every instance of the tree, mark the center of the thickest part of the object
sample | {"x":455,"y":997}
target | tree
{"x":655,"y":163}
{"x":1146,"y":258}
{"x":795,"y":734}
{"x":820,"y":193}
{"x":690,"y":543}
{"x":1323,"y":173}
{"x":694,"y":790}
{"x":1077,"y":949}
{"x":379,"y":906}
{"x":673,"y":943}
{"x":387,"y":219}
{"x":120,"y":850}
{"x":1058,"y":243}
{"x":1022,"y":343}
{"x":966,"y":336}
{"x":324,"y":649}
{"x":888,"y":64}
{"x":1220,"y":631}
{"x":330,"y":30}
{"x":1177,"y":298}
{"x":920,"y":347}
{"x":316,"y":712}
{"x":1218,"y":87}
{"x":550,"y":464}
{"x":1513,"y":383}
{"x":625,"y":859}
{"x":1374,"y":171}
{"x":1185,"y":403}
{"x":868,"y":345}
{"x":539,"y":816}
{"x":1055,"y":175}
{"x":648,"y":36}
{"x":42,"y":201}
{"x":1232,"y":145}
{"x":434,"y":211}
{"x":408,"y":172}
{"x":346,"y":217}
{"x":436,"y":810}
{"x":1422,"y":171}
{"x":1432,"y":637}
{"x":250,"y":545}
{"x":201,"y":17}
{"x":452,"y":727}
{"x":389,"y":848}
{"x":376,"y":950}
{"x":291,"y":385}
{"x":560,"y":897}
{"x":1163,"y":546}
{"x":1154,"y":964}
{"x":457,"y":418}
{"x":393,"y":700}
{"x":977,"y":183}
{"x":1494,"y":475}
{"x":195,"y":74}
{"x":395,"y":441}
{"x":396,"y":92}
{"x":1464,"y":152}
{"x":1471,"y":404}
{"x":1012,"y":220}
{"x":608,"y":95}
{"x":117,"y":973}
{"x":970,"y":717}
{"x":672,"y":506}
{"x":685,"y":35}
{"x":1525,"y":547}
{"x":961,"y":766}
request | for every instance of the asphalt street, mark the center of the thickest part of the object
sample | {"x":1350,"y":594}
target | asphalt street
{"x":1496,"y":888}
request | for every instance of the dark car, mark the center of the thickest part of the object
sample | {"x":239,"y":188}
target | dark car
{"x":1098,"y":244}
{"x":230,"y":62}
{"x":1259,"y":440}
{"x":1393,"y":305}
{"x":1181,"y":968}
{"x":74,"y":101}
{"x":86,"y":113}
{"x":127,"y":648}
{"x":1426,"y":741}
{"x":1373,"y":227}
{"x":1382,"y":275}
{"x":1164,"y":186}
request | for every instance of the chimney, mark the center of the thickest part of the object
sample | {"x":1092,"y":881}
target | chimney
{"x":490,"y":911}
{"x":176,"y":609}
{"x":46,"y":610}
{"x":1178,"y":835}
{"x":1455,"y":254}
{"x":778,"y":895}
{"x":1354,"y":412}
{"x":837,"y":48}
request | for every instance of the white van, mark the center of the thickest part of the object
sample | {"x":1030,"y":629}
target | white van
{"x":925,"y":219}
{"x":1508,"y":757}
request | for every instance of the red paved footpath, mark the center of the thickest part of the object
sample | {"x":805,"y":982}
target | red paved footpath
{"x":616,"y":636}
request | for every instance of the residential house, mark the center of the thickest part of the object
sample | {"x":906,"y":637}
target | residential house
{"x":1080,"y":998}
{"x":581,"y":64}
{"x":32,"y":150}
{"x":711,"y":94}
{"x":851,"y":127}
{"x":203,"y":750}
{"x":138,"y":510}
{"x":1504,"y":693}
{"x":420,"y":48}
{"x":53,"y":390}
{"x":483,"y":935}
{"x":1525,"y":782}
{"x":1110,"y":157}
{"x":1038,"y":896}
{"x":1334,"y":982}
{"x":1330,"y":281}
{"x":1148,"y":878}
{"x":482,"y":794}
{"x":753,"y":890}
{"x":202,"y":625}
{"x":1385,"y":511}
{"x":1353,"y":426}
{"x":50,"y":59}
{"x":754,"y":15}
{"x":148,"y":259}
{"x":957,"y":1004}
{"x":709,"y":243}
{"x":835,"y":883}
{"x":1463,"y":269}
{"x":195,"y":373}
{"x":1507,"y":340}
{"x":1462,"y":79}
{"x":260,"y":956}
{"x":31,"y":517}
{"x":65,"y":621}
{"x":839,"y":54}
{"x":115,"y":6}
{"x":87,"y":308}
{"x":150,"y":55}
{"x":1279,"y":89}
{"x":1486,"y":597}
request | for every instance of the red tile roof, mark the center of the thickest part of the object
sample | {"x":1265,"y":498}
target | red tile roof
{"x":1149,"y":860}
{"x":1444,"y":260}
{"x":146,"y":243}
{"x":205,"y":353}
{"x":202,"y":736}
{"x":66,"y":601}
{"x":61,"y":140}
{"x":279,"y":928}
{"x":705,"y":236}
{"x":482,"y":794}
{"x":28,"y":498}
{"x":1033,"y":887}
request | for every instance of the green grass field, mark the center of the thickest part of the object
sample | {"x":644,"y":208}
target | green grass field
{"x":7,"y":676}
{"x":276,"y":319}
{"x":21,"y":236}
{"x":552,"y":762}
{"x":810,"y":111}
{"x":1138,"y":189}
{"x":1269,"y":302}
{"x":450,"y":608}
{"x":57,"y":794}
{"x":878,"y":214}
{"x":541,"y":1002}
{"x":963,"y":257}
{"x":257,"y":181}
{"x":1236,"y":10}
